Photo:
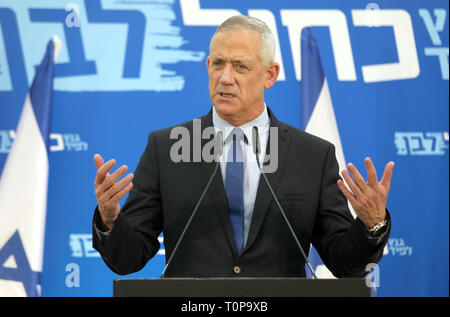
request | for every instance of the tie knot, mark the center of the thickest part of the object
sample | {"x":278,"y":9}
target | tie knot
{"x":238,"y":133}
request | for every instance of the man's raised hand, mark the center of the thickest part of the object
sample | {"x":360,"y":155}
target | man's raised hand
{"x":109,"y":190}
{"x":368,"y":199}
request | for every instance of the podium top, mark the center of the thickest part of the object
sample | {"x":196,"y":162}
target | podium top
{"x":241,"y":287}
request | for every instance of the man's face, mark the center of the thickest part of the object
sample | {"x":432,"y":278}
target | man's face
{"x":237,"y":77}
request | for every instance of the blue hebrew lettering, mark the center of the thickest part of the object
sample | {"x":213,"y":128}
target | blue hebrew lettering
{"x":89,"y":251}
{"x":438,"y":142}
{"x":78,"y":64}
{"x":13,"y":49}
{"x":416,"y":144}
{"x":442,"y":54}
{"x":401,"y":142}
{"x":75,"y":245}
{"x":81,"y":246}
{"x":436,"y":27}
{"x":136,"y":30}
{"x":73,"y":142}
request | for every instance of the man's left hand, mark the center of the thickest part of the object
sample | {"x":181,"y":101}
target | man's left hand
{"x":368,"y":199}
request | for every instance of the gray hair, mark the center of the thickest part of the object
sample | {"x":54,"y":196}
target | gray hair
{"x":246,"y":23}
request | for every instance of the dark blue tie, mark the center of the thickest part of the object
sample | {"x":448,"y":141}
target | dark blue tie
{"x":234,"y":187}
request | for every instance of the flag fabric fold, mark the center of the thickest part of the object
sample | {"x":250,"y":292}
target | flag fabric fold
{"x":23,"y":189}
{"x":317,"y":116}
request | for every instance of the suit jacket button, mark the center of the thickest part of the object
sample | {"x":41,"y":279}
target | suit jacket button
{"x":237,"y":269}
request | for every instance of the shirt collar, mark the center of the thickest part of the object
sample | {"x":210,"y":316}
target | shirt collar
{"x":261,"y":121}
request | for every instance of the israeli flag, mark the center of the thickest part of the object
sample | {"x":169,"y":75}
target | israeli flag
{"x":23,"y":187}
{"x":317,"y":117}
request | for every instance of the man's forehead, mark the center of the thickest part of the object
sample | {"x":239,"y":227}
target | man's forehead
{"x":229,"y":51}
{"x":235,"y":45}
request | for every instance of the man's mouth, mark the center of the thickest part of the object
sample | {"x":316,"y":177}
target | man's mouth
{"x":225,"y":95}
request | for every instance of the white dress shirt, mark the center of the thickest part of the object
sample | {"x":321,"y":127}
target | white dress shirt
{"x":251,"y":170}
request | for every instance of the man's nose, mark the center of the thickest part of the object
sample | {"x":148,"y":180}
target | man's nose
{"x":227,"y":77}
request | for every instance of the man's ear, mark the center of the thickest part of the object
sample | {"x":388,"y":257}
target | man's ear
{"x":272,"y":73}
{"x":207,"y":62}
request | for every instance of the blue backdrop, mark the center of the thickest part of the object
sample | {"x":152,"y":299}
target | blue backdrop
{"x":130,"y":67}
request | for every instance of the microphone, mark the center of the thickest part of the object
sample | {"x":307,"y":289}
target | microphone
{"x":257,"y":151}
{"x":219,"y":145}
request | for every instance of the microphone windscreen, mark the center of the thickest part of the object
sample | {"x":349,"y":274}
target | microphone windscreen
{"x":255,"y":136}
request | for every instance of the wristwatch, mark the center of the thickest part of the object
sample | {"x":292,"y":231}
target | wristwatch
{"x":378,"y":227}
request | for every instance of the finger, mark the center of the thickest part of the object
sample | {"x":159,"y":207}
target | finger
{"x":98,"y":159}
{"x":117,"y":197}
{"x":103,"y":170}
{"x":347,"y":193}
{"x":359,"y":180}
{"x":117,"y":187}
{"x":353,"y":187}
{"x":387,"y":175}
{"x":372,"y":178}
{"x":118,"y":174}
{"x":110,"y":179}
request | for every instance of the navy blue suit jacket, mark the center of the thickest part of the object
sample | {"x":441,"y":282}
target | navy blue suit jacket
{"x":165,"y":193}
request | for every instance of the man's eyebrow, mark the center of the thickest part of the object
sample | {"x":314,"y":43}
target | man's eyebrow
{"x":238,"y":60}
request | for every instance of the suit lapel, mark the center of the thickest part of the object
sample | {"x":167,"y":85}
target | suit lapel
{"x":217,"y":190}
{"x":264,"y":196}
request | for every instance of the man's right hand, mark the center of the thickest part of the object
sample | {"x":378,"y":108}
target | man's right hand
{"x":109,"y":191}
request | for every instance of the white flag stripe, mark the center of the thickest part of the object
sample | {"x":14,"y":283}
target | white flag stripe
{"x":323,"y":124}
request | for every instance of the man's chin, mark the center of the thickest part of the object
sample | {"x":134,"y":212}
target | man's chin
{"x":226,"y":108}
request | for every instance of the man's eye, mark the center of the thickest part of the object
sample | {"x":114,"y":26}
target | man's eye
{"x":217,"y":63}
{"x":241,"y":67}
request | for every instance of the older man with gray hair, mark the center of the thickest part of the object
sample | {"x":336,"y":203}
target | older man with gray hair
{"x":238,"y":229}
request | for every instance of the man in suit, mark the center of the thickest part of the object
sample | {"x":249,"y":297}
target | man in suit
{"x":238,"y":229}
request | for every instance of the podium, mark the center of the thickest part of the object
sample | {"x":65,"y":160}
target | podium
{"x":240,"y":287}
